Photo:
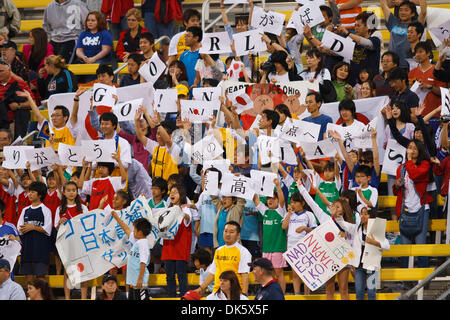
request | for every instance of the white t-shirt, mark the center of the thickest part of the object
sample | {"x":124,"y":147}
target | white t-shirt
{"x":280,"y":79}
{"x":412,"y":199}
{"x":221,"y":296}
{"x":297,"y":220}
{"x":324,"y":74}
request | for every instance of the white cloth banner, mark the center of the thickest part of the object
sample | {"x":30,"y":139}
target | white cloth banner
{"x":249,"y":41}
{"x":237,"y":186}
{"x":263,"y":182}
{"x":92,"y":243}
{"x":9,"y":250}
{"x":320,"y":255}
{"x":270,"y":21}
{"x":215,"y":43}
{"x":165,"y":222}
{"x":394,"y":156}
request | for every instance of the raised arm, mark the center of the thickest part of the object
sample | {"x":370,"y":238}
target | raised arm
{"x":376,"y":154}
{"x":386,"y":11}
{"x":122,"y":224}
{"x":348,"y":160}
{"x":423,"y":12}
{"x":34,"y":108}
{"x":318,"y":212}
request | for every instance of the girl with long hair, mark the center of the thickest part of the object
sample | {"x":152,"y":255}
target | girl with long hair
{"x":38,"y":49}
{"x":230,"y":289}
{"x":59,"y":78}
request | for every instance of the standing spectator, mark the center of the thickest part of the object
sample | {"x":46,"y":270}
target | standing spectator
{"x":229,"y":288}
{"x":39,"y":289}
{"x":38,"y":49}
{"x":161,"y":25}
{"x":349,"y":10}
{"x":398,"y":26}
{"x":424,"y":75}
{"x":9,"y":18}
{"x":95,"y":44}
{"x":63,"y":22}
{"x":129,"y":39}
{"x":110,"y":289}
{"x":193,"y":38}
{"x":415,"y":32}
{"x":232,"y":256}
{"x":115,"y":12}
{"x":389,"y":61}
{"x":398,"y":80}
{"x":9,"y":290}
{"x":313,"y":102}
{"x":59,"y":78}
{"x":263,"y":272}
{"x":35,"y":226}
{"x":17,"y":107}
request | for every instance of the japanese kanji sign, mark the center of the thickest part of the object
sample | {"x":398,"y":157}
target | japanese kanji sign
{"x":237,"y":186}
{"x":270,"y":21}
{"x":99,"y":150}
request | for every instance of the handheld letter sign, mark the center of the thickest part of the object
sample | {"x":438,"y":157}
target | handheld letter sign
{"x":152,"y":69}
{"x":310,"y":15}
{"x":442,"y":32}
{"x":249,"y":41}
{"x":103,"y":95}
{"x":125,"y":111}
{"x":206,"y":149}
{"x":320,"y":255}
{"x":445,"y":101}
{"x":393,"y":157}
{"x":318,"y":150}
{"x":271,"y":21}
{"x":99,"y":150}
{"x":70,"y":155}
{"x":207,"y":93}
{"x":298,"y":130}
{"x":166,"y":100}
{"x":41,"y":157}
{"x":215,"y":43}
{"x":212,"y":183}
{"x":339,"y":45}
{"x":263,"y":182}
{"x":237,"y":186}
{"x":198,"y":111}
{"x":15,"y":157}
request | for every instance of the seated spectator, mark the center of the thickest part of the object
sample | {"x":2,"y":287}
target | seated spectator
{"x":389,"y":61}
{"x":9,"y":18}
{"x":110,"y":289}
{"x":64,"y":26}
{"x":9,"y":290}
{"x":364,"y":75}
{"x":12,"y":56}
{"x":415,"y":32}
{"x":229,"y":289}
{"x":341,"y":75}
{"x":59,"y":79}
{"x":115,"y":12}
{"x":129,"y":39}
{"x":368,"y":90}
{"x":280,"y":72}
{"x":39,"y":289}
{"x":38,"y":49}
{"x":133,"y":77}
{"x":95,"y":44}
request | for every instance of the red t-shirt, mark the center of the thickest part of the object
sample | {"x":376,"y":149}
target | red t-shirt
{"x":4,"y":87}
{"x":52,"y":201}
{"x":23,"y":201}
{"x":180,"y":247}
{"x":98,"y":188}
{"x":11,"y":215}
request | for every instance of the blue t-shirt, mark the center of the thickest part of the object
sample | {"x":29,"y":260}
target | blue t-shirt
{"x":323,"y":120}
{"x":189,"y":59}
{"x":134,"y":260}
{"x":7,"y":229}
{"x":92,"y":43}
{"x":249,"y":229}
{"x":398,"y":42}
{"x":221,"y":226}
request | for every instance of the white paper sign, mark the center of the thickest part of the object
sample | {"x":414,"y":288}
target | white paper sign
{"x":339,"y":45}
{"x":223,"y":165}
{"x":70,"y":155}
{"x":445,"y":101}
{"x":15,"y":157}
{"x":234,"y":72}
{"x":206,"y":149}
{"x":297,"y":130}
{"x":249,"y":41}
{"x":270,"y":21}
{"x":263,"y":182}
{"x":152,"y":69}
{"x":371,"y":258}
{"x":103,"y":95}
{"x":311,"y":2}
{"x":269,"y":149}
{"x":166,"y":100}
{"x":125,"y":111}
{"x":99,"y":150}
{"x":237,"y":186}
{"x":198,"y":111}
{"x":394,"y":156}
{"x":310,"y":15}
{"x":9,"y":250}
{"x":320,"y":255}
{"x":207,"y":93}
{"x":442,"y":31}
{"x":41,"y":157}
{"x":215,"y":43}
{"x":211,"y":183}
{"x":318,"y":150}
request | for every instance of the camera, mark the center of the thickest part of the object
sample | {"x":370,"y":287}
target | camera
{"x":268,"y":66}
{"x":445,"y":118}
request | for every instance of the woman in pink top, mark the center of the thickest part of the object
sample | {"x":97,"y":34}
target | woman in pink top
{"x":38,"y":49}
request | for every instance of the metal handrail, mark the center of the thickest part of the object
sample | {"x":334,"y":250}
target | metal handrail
{"x":126,"y":63}
{"x":425,"y":281}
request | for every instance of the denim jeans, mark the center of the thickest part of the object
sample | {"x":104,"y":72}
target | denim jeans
{"x":180,"y":268}
{"x":365,"y":279}
{"x":421,"y":238}
{"x":157,"y":29}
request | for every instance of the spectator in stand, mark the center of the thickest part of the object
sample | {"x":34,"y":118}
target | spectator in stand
{"x":18,"y":108}
{"x":38,"y":49}
{"x":95,"y":44}
{"x":115,"y":12}
{"x":263,"y":272}
{"x":63,"y":22}
{"x":177,"y":75}
{"x":59,"y":78}
{"x":414,"y":34}
{"x":208,"y":66}
{"x":13,"y":57}
{"x":398,"y":80}
{"x":129,"y":39}
{"x":190,"y":57}
{"x":424,"y":75}
{"x":442,"y":69}
{"x":9,"y":18}
{"x":349,"y":10}
{"x":398,"y":26}
{"x":110,"y":289}
{"x":39,"y":289}
{"x":133,"y":77}
{"x":365,"y":75}
{"x":160,"y":25}
{"x":341,"y":81}
{"x":229,"y":288}
{"x":9,"y":290}
{"x":389,"y":61}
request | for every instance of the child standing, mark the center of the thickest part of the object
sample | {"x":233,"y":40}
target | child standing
{"x":139,"y":258}
{"x":159,"y":192}
{"x":70,"y":207}
{"x":274,"y":236}
{"x":367,"y":196}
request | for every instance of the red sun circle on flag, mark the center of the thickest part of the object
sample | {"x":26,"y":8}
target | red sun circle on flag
{"x":329,"y":236}
{"x":235,"y":66}
{"x":241,"y":101}
{"x":195,"y":111}
{"x":80,"y":267}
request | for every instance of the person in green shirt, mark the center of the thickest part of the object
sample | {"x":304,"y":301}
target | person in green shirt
{"x":159,"y":190}
{"x":341,"y":81}
{"x":274,"y":242}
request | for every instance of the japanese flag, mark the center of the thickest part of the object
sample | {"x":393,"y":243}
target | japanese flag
{"x":241,"y":100}
{"x":234,"y":72}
